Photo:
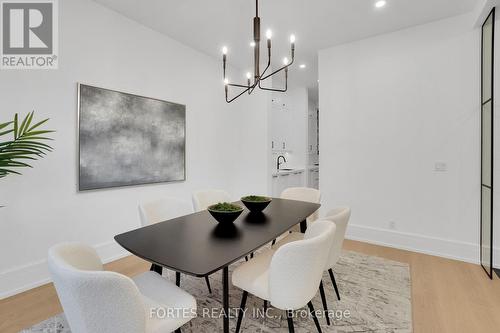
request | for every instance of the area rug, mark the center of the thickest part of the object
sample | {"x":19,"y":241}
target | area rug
{"x":375,"y":297}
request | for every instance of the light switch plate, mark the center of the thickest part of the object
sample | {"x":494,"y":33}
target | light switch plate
{"x":440,"y":166}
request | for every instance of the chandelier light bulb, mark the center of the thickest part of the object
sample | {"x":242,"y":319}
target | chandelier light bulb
{"x":256,"y":77}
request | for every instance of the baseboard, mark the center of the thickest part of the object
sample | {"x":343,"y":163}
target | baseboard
{"x":463,"y":251}
{"x":25,"y":277}
{"x":18,"y":279}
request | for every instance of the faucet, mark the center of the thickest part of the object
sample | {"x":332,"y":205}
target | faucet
{"x":278,"y":163}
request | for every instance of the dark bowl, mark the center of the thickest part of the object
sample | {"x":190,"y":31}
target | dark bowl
{"x":256,"y":206}
{"x":225,"y":217}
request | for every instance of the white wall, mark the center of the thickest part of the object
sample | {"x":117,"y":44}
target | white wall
{"x":225,"y":143}
{"x":391,"y":107}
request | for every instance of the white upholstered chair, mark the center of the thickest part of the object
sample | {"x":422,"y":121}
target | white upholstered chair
{"x":303,"y":194}
{"x":101,"y":301}
{"x":164,"y":209}
{"x":340,"y":216}
{"x":203,"y":199}
{"x":288,"y":277}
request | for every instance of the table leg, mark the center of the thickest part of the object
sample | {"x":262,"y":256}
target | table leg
{"x":225,"y":298}
{"x":303,"y":226}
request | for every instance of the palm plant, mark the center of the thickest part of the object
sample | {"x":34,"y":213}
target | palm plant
{"x":26,"y":144}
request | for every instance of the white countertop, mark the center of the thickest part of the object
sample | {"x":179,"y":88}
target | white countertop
{"x":287,"y":172}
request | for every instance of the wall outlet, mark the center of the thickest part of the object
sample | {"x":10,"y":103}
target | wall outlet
{"x":440,"y":166}
{"x":392,"y":225}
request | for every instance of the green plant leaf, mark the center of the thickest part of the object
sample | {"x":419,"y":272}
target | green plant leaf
{"x":25,"y":145}
{"x":6,"y":132}
{"x":2,"y":126}
{"x":28,"y":123}
{"x":36,"y":138}
{"x":34,"y":143}
{"x":6,"y":171}
{"x":23,"y":124}
{"x":14,"y":164}
{"x":30,"y":148}
{"x":34,"y":133}
{"x":38,"y":124}
{"x":15,"y":126}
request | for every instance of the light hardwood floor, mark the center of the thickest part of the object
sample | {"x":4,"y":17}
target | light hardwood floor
{"x":447,"y":295}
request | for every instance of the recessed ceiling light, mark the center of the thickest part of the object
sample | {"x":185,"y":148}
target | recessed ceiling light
{"x":302,"y":66}
{"x":252,"y":44}
{"x":380,"y":3}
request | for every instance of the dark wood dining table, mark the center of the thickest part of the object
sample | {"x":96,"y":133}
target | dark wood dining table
{"x":198,"y":245}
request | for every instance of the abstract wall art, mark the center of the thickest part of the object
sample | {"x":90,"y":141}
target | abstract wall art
{"x":126,"y":139}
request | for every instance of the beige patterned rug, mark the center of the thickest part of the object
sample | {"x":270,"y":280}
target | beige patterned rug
{"x":375,"y":297}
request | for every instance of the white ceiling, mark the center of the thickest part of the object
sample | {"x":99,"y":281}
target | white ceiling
{"x":207,"y":25}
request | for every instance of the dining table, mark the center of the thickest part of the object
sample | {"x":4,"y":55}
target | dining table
{"x":197,"y":245}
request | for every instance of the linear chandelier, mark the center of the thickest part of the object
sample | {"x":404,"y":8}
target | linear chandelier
{"x":258,"y":77}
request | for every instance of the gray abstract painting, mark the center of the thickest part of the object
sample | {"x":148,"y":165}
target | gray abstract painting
{"x":126,"y":139}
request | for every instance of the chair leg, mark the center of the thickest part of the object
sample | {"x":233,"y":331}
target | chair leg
{"x":156,"y":268}
{"x":274,"y":242}
{"x":208,"y":284}
{"x":313,"y":314}
{"x":246,"y":258}
{"x":323,"y":299}
{"x":289,"y":317}
{"x":178,"y":279}
{"x":178,"y":330}
{"x":265,"y":307}
{"x":251,"y":255}
{"x":334,"y":283}
{"x":242,"y":310}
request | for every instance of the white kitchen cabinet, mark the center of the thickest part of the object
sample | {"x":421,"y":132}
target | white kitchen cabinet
{"x":312,"y":130}
{"x":313,"y":178}
{"x":281,"y":134}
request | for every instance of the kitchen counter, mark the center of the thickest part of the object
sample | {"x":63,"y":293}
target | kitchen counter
{"x":286,"y":172}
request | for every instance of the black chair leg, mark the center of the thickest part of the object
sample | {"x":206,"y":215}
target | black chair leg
{"x":265,"y":307}
{"x":178,"y":279}
{"x":313,"y":314}
{"x":208,"y":284}
{"x":289,"y":317}
{"x":242,"y":310}
{"x":178,"y":330}
{"x":156,"y":268}
{"x":251,"y":255}
{"x":323,"y":299}
{"x":246,"y":258}
{"x":334,"y":283}
{"x":274,"y":242}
